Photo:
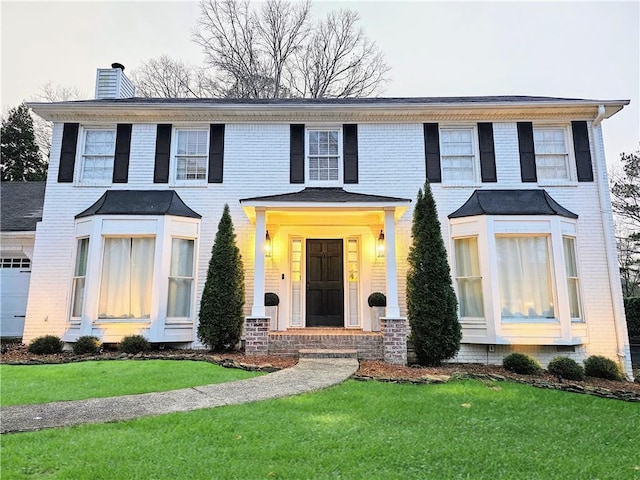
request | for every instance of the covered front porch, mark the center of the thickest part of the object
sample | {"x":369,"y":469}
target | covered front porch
{"x":323,"y":251}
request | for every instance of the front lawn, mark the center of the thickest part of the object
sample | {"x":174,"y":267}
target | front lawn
{"x":357,"y":430}
{"x":25,"y":384}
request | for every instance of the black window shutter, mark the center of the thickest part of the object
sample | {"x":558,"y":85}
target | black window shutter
{"x":487,"y":152}
{"x":68,"y":152}
{"x":163,"y":152}
{"x":121,"y":159}
{"x":432,"y":152}
{"x":216,"y":153}
{"x":296,"y":153}
{"x":350,"y":152}
{"x":527,"y":152}
{"x":582,"y":151}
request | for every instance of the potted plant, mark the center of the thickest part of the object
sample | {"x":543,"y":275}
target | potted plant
{"x":271,"y":302}
{"x":378,"y":302}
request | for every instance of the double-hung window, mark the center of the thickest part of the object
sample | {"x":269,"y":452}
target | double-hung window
{"x":191,"y":155}
{"x":127,"y":278}
{"x":571,"y":267}
{"x":524,"y":277}
{"x":79,"y":278}
{"x":180,"y":278}
{"x":97,"y":155}
{"x":552,"y":153}
{"x":458,"y":154}
{"x":468,"y":278}
{"x":324,"y":157}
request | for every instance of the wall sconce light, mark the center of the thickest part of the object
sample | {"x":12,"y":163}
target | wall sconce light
{"x":267,"y":245}
{"x":380,"y":245}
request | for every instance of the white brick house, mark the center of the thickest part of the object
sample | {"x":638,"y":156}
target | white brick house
{"x":136,"y":189}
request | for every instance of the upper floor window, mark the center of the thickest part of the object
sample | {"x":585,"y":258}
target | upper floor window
{"x":552,"y":153}
{"x":97,"y":155}
{"x":458,"y":154}
{"x":324,"y":147}
{"x":191,"y":155}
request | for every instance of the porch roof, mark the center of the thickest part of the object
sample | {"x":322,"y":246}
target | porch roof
{"x":139,"y":202}
{"x":511,"y":202}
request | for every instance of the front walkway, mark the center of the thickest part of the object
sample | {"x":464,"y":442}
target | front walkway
{"x":308,"y":375}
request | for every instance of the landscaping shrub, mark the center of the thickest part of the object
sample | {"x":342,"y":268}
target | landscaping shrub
{"x":632,"y":312}
{"x":377,"y":299}
{"x":271,"y":299}
{"x":432,"y":306}
{"x":602,"y":367}
{"x":566,"y":367}
{"x":49,"y":344}
{"x":520,"y":363}
{"x":134,"y":344}
{"x":87,"y":345}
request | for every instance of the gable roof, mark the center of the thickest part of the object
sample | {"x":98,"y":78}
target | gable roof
{"x":21,"y":205}
{"x":511,"y":202}
{"x":325,"y":195}
{"x":139,"y":202}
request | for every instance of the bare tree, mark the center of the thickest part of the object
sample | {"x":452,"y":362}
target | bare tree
{"x":278,"y":51}
{"x":165,"y":77}
{"x":339,"y":61}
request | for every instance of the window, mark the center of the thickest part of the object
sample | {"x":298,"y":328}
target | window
{"x":353,"y":269}
{"x":552,"y":154}
{"x":97,"y":155}
{"x":79,"y":278}
{"x":571,"y":266}
{"x":191,"y":155}
{"x":19,"y":262}
{"x":458,"y":155}
{"x":524,"y":277}
{"x":468,"y":277}
{"x":127,"y":278}
{"x":296,"y":282}
{"x":180,"y":278}
{"x":324,"y":158}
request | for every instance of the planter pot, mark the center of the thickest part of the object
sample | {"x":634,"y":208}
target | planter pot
{"x":376,"y":314}
{"x":273,"y":313}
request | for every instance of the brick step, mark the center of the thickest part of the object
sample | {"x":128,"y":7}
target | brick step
{"x":327,"y":353}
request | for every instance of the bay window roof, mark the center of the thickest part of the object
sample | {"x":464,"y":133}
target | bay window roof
{"x":139,"y":202}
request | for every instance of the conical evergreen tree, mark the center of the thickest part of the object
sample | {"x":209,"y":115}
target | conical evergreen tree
{"x":431,"y":300}
{"x":221,"y":306}
{"x":20,"y":159}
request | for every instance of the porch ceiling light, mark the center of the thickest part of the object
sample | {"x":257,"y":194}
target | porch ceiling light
{"x":267,"y":245}
{"x":380,"y":245}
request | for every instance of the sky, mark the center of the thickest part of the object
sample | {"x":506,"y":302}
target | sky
{"x":574,"y":49}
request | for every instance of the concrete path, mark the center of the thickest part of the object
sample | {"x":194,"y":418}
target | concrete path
{"x":308,"y":375}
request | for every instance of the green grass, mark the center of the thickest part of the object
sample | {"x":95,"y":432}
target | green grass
{"x":357,"y":430}
{"x":26,"y":384}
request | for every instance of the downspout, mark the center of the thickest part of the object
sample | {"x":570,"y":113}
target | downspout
{"x":619,"y":319}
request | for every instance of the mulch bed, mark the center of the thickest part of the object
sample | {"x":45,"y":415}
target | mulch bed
{"x":369,"y":370}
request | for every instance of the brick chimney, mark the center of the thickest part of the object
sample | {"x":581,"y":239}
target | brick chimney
{"x":113,"y":83}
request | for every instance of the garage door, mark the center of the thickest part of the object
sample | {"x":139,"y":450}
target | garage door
{"x":15,"y":273}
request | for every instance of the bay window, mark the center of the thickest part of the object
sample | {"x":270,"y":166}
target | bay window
{"x":180,"y":278}
{"x":127,"y":278}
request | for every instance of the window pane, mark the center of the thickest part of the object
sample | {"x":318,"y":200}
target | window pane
{"x":179,"y":301}
{"x":571,"y":268}
{"x":570,"y":256}
{"x":100,"y":142}
{"x":81,"y":257}
{"x":524,"y":277}
{"x":127,"y":278}
{"x":470,"y":297}
{"x":467,"y":262}
{"x":181,"y":257}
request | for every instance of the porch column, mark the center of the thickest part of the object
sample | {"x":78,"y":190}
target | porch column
{"x":258,"y":274}
{"x":393,"y":310}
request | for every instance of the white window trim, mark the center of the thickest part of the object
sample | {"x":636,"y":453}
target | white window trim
{"x":80,"y":156}
{"x":324,"y":183}
{"x":571,"y":159}
{"x":173,"y":161}
{"x":476,"y":155}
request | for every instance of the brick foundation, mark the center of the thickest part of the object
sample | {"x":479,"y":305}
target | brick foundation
{"x":256,"y":336}
{"x":395,"y":340}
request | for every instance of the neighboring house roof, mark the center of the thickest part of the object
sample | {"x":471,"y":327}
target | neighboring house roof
{"x":511,"y":202}
{"x":139,"y":202}
{"x":326,"y":195}
{"x":21,"y":205}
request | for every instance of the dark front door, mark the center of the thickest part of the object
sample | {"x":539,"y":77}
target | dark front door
{"x":325,"y":288}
